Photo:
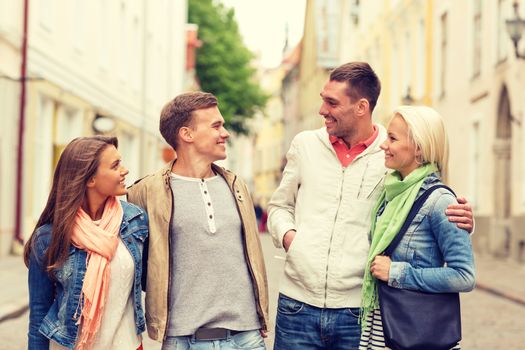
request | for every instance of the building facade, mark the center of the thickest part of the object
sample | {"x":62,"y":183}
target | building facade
{"x":479,"y":89}
{"x":92,"y":67}
{"x":457,"y":57}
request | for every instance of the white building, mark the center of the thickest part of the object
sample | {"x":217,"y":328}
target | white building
{"x":479,"y":89}
{"x":10,"y":41}
{"x":114,"y":61}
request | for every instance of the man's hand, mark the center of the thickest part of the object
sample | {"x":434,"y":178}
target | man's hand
{"x":287,"y":239}
{"x":380,"y":267}
{"x":461,"y":214}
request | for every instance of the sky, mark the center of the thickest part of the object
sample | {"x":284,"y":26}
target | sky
{"x":262,"y":25}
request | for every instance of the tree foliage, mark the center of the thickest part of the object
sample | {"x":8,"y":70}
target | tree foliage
{"x":223,"y":63}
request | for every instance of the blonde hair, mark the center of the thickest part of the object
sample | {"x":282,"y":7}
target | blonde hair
{"x":427,"y":130}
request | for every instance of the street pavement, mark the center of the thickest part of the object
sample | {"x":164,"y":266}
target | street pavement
{"x":493,"y":315}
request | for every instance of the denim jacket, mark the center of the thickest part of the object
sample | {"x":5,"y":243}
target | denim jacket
{"x":54,"y":303}
{"x":434,"y":255}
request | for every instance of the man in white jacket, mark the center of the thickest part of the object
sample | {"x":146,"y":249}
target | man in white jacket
{"x":320,"y":215}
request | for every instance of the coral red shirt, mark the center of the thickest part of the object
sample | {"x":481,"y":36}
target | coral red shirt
{"x":347,"y":155}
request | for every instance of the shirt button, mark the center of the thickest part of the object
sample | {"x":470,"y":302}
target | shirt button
{"x":211,"y":216}
{"x":347,"y":156}
{"x":394,"y":283}
{"x":202,"y":180}
{"x":209,"y":203}
{"x":205,"y":192}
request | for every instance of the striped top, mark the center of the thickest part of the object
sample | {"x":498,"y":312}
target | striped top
{"x":372,"y":337}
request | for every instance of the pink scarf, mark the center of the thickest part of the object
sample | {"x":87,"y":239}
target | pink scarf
{"x":100,"y":242}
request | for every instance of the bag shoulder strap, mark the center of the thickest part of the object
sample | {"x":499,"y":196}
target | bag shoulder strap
{"x":411,"y":215}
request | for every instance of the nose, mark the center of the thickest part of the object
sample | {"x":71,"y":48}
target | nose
{"x":124,"y":171}
{"x":225,"y":134}
{"x":383,"y":146}
{"x":322,"y":110}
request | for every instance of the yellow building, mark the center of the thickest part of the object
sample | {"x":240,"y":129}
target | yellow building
{"x":395,"y":37}
{"x":269,"y":139}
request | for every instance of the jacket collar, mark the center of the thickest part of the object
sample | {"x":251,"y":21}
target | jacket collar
{"x":130,"y":211}
{"x":372,"y":148}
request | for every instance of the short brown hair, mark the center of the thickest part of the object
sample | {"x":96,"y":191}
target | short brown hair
{"x":178,"y":113}
{"x":362,"y":81}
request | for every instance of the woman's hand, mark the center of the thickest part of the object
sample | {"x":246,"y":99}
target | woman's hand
{"x":380,"y":267}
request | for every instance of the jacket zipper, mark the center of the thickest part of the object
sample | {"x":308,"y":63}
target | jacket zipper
{"x":169,"y":260}
{"x":331,"y":238}
{"x":252,"y":275}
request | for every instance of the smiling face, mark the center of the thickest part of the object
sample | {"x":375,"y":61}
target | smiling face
{"x":338,"y":110}
{"x":109,"y":180}
{"x":400,"y":151}
{"x":208,"y":133}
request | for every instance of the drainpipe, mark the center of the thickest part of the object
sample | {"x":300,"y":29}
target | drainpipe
{"x":21,"y":126}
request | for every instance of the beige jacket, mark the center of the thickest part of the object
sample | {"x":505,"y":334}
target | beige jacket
{"x":153,"y":193}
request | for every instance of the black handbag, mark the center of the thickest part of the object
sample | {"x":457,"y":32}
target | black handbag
{"x":414,"y":320}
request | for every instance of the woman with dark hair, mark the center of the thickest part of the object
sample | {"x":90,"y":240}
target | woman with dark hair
{"x":84,"y":256}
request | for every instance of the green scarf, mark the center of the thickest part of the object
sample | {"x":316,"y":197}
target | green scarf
{"x":399,"y":195}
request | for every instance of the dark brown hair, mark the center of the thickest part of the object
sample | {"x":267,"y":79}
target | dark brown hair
{"x":178,"y":113}
{"x":361,"y":79}
{"x":78,"y":164}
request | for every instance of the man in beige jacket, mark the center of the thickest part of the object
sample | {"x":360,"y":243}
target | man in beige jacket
{"x":204,"y":272}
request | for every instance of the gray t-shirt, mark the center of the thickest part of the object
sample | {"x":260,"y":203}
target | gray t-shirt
{"x":210,"y":282}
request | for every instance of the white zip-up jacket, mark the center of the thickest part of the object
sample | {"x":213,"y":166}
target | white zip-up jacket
{"x":329,"y":206}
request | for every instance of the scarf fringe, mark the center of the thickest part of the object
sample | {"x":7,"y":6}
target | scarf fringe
{"x":92,"y":316}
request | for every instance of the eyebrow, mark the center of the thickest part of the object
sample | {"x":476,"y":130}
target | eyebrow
{"x":327,"y":98}
{"x":116,"y":162}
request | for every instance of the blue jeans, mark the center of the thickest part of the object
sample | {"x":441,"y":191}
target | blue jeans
{"x":249,"y":340}
{"x":301,"y":326}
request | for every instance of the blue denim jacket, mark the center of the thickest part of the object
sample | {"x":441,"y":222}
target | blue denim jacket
{"x":434,"y":254}
{"x":54,"y":305}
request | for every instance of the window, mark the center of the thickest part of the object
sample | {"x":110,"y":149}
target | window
{"x":123,"y":53}
{"x":46,"y":14}
{"x":475,"y":165}
{"x":104,"y":35}
{"x":395,"y":94}
{"x":443,"y":56}
{"x":69,"y":125}
{"x":407,"y":62}
{"x":42,"y":168}
{"x":130,"y":153}
{"x":79,"y":30}
{"x":476,"y":39}
{"x":421,"y":57}
{"x":502,"y":36}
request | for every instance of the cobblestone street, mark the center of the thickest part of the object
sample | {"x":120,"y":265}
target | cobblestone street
{"x":489,"y":321}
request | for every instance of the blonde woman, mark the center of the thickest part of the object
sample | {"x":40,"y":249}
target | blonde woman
{"x":434,"y":255}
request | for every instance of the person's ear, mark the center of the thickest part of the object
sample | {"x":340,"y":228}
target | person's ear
{"x":186,"y":134}
{"x":362,"y":106}
{"x":418,"y":155}
{"x":91,"y":183}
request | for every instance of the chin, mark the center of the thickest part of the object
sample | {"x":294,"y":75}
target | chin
{"x":122,"y":192}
